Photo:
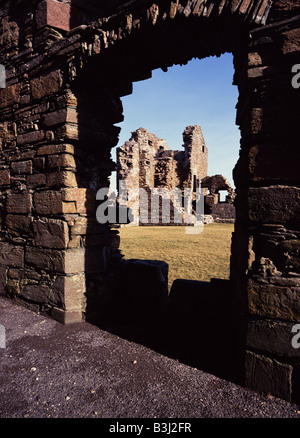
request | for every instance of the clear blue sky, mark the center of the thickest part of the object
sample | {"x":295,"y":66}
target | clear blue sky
{"x":199,"y":93}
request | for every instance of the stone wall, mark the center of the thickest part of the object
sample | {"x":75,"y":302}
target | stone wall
{"x":221,"y":211}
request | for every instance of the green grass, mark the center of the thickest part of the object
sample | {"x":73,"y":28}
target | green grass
{"x":191,"y":256}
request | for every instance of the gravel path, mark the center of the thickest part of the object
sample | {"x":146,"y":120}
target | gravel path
{"x":79,"y":371}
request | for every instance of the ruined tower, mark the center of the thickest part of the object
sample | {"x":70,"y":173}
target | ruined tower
{"x":147,"y":162}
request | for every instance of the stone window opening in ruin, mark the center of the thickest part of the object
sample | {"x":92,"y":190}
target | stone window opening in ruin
{"x":223,"y":195}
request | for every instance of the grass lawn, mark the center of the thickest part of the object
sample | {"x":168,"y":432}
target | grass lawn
{"x":190,"y":256}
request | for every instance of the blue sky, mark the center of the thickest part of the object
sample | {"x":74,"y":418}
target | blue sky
{"x":199,"y":93}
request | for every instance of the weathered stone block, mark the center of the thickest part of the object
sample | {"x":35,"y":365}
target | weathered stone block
{"x":274,"y":204}
{"x":75,"y":242}
{"x":48,"y":202}
{"x":66,"y":317}
{"x":47,"y":259}
{"x":11,"y":255}
{"x":83,"y":198}
{"x":51,"y":233}
{"x":267,"y":163}
{"x":291,"y":41}
{"x":274,"y":337}
{"x":56,"y":149}
{"x":70,"y":261}
{"x":269,"y":376}
{"x":12,"y":287}
{"x":4,"y":177}
{"x":46,"y":85}
{"x":58,"y":15}
{"x":36,"y":293}
{"x":19,"y":203}
{"x":71,"y":289}
{"x":75,"y":261}
{"x":10,"y":95}
{"x":38,"y":164}
{"x":18,"y":223}
{"x":274,"y":301}
{"x":63,"y":160}
{"x":30,"y":137}
{"x":36,"y":180}
{"x":61,"y":179}
{"x":21,"y":167}
{"x":55,"y":118}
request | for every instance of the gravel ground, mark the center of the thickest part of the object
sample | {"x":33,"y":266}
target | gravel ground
{"x":79,"y":371}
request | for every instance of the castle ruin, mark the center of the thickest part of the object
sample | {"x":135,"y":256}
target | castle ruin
{"x":146,"y":161}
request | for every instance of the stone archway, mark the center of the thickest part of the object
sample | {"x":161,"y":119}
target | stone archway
{"x":58,"y":112}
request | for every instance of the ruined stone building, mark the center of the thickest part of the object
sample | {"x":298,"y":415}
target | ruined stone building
{"x":220,"y":210}
{"x":147,"y":162}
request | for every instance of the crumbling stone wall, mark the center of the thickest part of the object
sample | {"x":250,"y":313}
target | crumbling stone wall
{"x":147,"y":162}
{"x":220,"y":211}
{"x":58,"y":111}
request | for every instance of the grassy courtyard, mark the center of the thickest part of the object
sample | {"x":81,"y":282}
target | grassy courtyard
{"x":190,"y":256}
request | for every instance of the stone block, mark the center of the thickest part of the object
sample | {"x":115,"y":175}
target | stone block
{"x":18,"y":223}
{"x":10,"y":95}
{"x":273,"y":301}
{"x":84,"y":199}
{"x":266,"y":162}
{"x":273,"y":337}
{"x":36,"y":293}
{"x":30,"y":137}
{"x":56,"y":149}
{"x":75,"y":261}
{"x":67,"y":317}
{"x":274,"y":204}
{"x":39,"y":164}
{"x":21,"y":167}
{"x":62,"y":160}
{"x":75,"y":242}
{"x":48,"y":202}
{"x":291,"y":41}
{"x":19,"y":203}
{"x":46,"y":85}
{"x":268,"y":375}
{"x":11,"y":255}
{"x":70,"y":261}
{"x":55,"y":118}
{"x":59,"y":15}
{"x":61,"y":179}
{"x":51,"y":233}
{"x":71,"y":290}
{"x":4,"y":177}
{"x":46,"y":259}
{"x":36,"y":180}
